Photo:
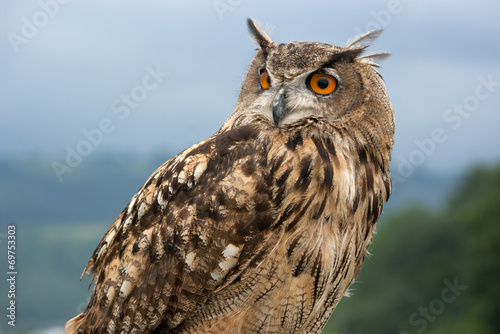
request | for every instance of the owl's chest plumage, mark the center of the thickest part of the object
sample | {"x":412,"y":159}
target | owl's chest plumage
{"x":312,"y":251}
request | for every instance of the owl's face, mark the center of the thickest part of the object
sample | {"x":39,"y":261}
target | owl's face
{"x":298,"y":80}
{"x":289,"y":82}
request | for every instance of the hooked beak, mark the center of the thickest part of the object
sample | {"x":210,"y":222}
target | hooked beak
{"x":279,"y":108}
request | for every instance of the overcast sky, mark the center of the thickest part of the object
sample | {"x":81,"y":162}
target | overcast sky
{"x":158,"y":76}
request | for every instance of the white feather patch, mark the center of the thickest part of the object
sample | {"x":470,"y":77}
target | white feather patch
{"x":110,"y":295}
{"x":199,"y":170}
{"x":142,"y":210}
{"x":217,"y":276}
{"x":110,"y":237}
{"x":231,"y":251}
{"x":160,"y":200}
{"x":182,"y":177}
{"x":131,"y":204}
{"x":126,"y":288}
{"x":189,"y":259}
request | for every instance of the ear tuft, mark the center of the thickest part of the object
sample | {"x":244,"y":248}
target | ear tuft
{"x":363,"y":40}
{"x":360,"y":43}
{"x":259,"y":36}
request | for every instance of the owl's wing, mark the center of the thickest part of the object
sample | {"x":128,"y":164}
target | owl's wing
{"x":195,"y":224}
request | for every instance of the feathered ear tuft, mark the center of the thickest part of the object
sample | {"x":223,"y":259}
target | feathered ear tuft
{"x":362,"y":42}
{"x":374,"y":57}
{"x":259,"y":36}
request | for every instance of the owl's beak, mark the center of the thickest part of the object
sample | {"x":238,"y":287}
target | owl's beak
{"x":279,"y":107}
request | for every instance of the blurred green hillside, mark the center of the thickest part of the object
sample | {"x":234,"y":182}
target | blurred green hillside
{"x":434,"y":266}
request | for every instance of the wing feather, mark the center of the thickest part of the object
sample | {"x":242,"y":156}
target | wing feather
{"x":192,"y":228}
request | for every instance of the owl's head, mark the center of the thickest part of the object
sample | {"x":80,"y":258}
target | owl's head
{"x":288,"y":83}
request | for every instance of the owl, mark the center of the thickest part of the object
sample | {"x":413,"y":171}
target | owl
{"x":262,"y":227}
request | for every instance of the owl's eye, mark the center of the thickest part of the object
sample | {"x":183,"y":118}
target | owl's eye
{"x":322,"y":83}
{"x":265,"y":81}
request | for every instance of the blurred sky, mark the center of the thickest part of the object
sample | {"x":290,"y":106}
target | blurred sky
{"x":66,"y":67}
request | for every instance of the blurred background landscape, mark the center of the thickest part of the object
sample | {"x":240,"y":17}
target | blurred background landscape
{"x":95,"y":96}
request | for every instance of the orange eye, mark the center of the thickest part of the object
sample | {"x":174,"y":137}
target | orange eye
{"x":322,"y":83}
{"x":264,"y":80}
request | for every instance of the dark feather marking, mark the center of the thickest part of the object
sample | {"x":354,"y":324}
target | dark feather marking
{"x":318,"y":213}
{"x":292,"y":49}
{"x":369,"y":178}
{"x":328,"y":175}
{"x":248,"y":167}
{"x":374,"y":210}
{"x":101,"y":276}
{"x":262,"y":188}
{"x":153,"y":210}
{"x":262,"y":203}
{"x":317,"y":268}
{"x":174,"y":184}
{"x":122,"y":251}
{"x":264,"y":221}
{"x":328,"y":168}
{"x":135,"y":247}
{"x":348,"y":55}
{"x":173,"y":244}
{"x":292,"y":207}
{"x":362,"y":156}
{"x":119,"y":236}
{"x":220,"y":197}
{"x":135,"y":219}
{"x":276,"y":165}
{"x":168,"y":246}
{"x":299,"y":215}
{"x":284,"y":315}
{"x":250,"y":246}
{"x":331,"y":149}
{"x":279,"y":196}
{"x":292,"y":245}
{"x":179,"y":167}
{"x":282,"y":179}
{"x":321,"y":149}
{"x":226,"y":140}
{"x":245,"y":225}
{"x":212,"y":211}
{"x":183,"y":214}
{"x":294,"y":141}
{"x":159,"y":181}
{"x":301,"y":265}
{"x":387,"y":184}
{"x":355,"y":203}
{"x":305,"y":171}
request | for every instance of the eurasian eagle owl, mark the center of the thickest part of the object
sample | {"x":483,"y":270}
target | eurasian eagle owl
{"x":262,"y":227}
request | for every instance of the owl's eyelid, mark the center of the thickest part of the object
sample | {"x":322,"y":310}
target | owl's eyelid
{"x":329,"y":71}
